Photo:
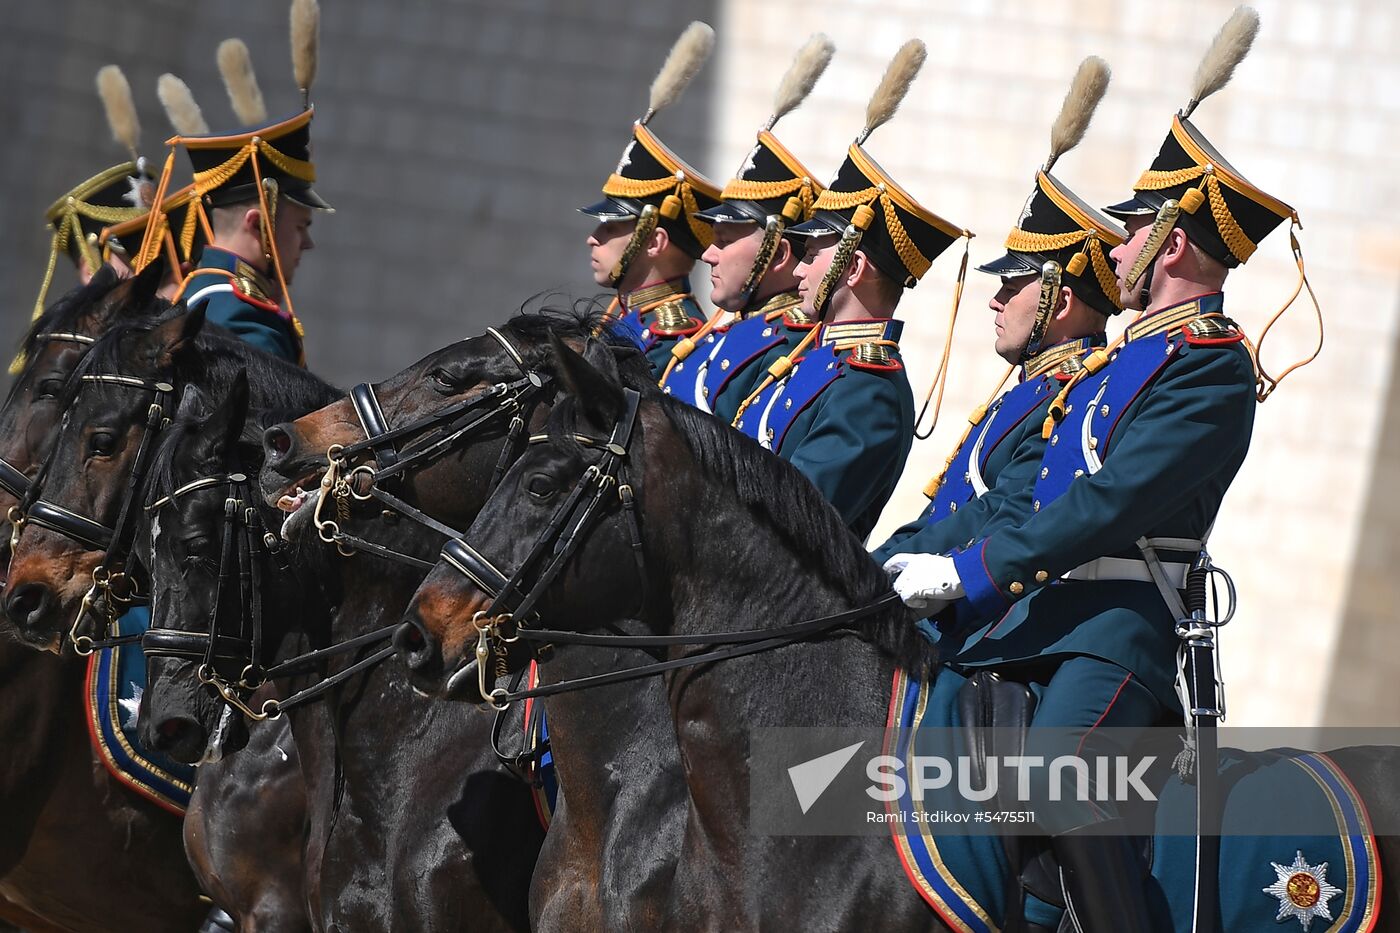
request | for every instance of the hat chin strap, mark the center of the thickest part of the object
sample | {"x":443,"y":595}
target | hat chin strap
{"x":1145,"y":263}
{"x":641,"y":233}
{"x":841,"y":262}
{"x":1050,"y":278}
{"x":772,"y":233}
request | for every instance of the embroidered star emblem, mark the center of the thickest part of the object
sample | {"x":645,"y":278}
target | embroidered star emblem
{"x":131,"y":707}
{"x":626,"y":159}
{"x":1302,"y":891}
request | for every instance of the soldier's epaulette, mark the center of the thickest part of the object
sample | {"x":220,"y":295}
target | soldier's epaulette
{"x":798,"y":321}
{"x":671,"y":319}
{"x":869,"y":343}
{"x":247,"y":290}
{"x":1212,"y":330}
{"x":249,"y":286}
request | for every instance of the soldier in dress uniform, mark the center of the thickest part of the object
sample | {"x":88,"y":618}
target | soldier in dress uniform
{"x":837,"y":403}
{"x":1058,"y":289}
{"x":753,"y":266}
{"x":648,"y":237}
{"x":1079,"y":601}
{"x":255,"y":202}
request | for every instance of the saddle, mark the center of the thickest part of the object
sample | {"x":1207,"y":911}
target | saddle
{"x":996,"y":715}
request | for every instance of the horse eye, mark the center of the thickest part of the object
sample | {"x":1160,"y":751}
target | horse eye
{"x":541,"y":486}
{"x":102,"y":444}
{"x":443,"y":379}
{"x":49,"y":388}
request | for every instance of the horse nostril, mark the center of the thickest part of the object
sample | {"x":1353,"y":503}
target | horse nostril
{"x":277,"y":442}
{"x":181,"y":738}
{"x":415,"y":646}
{"x":26,"y":604}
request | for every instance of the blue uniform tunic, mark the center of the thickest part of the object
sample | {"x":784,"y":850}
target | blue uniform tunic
{"x":723,"y":369}
{"x":844,"y":416}
{"x":661,"y":314}
{"x":1148,"y":447}
{"x":993,"y":470}
{"x":242,"y":303}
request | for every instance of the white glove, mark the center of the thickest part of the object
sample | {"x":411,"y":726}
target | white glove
{"x":926,"y":582}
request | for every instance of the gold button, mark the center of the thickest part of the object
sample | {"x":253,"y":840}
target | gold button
{"x":1104,"y":411}
{"x":1016,"y":588}
{"x":769,"y":435}
{"x":1054,"y":439}
{"x":1044,"y":472}
{"x":680,"y":366}
{"x":952,"y":507}
{"x":787,"y":403}
{"x":1093,"y":443}
{"x":767,"y":331}
{"x":724,"y":364}
{"x":1078,"y":473}
{"x":1036,"y":506}
{"x":705,"y":391}
{"x":1069,"y":409}
{"x":1041,"y":576}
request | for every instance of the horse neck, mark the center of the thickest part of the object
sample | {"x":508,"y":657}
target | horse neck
{"x":730,"y":573}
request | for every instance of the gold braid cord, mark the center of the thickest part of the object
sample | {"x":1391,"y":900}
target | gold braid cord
{"x":1027,"y":241}
{"x":1234,"y":237}
{"x":619,"y":187}
{"x":740,"y":189}
{"x":1103,"y":271}
{"x":909,"y":254}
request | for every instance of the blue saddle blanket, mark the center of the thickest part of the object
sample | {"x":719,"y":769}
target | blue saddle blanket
{"x":1268,"y":883}
{"x":116,"y":678}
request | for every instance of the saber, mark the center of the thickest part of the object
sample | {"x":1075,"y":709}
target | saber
{"x":1207,"y":708}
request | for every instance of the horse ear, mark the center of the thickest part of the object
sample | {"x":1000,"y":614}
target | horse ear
{"x":191,"y":404}
{"x":224,"y":426}
{"x":600,"y":399}
{"x":147,"y":282}
{"x":173,"y":337}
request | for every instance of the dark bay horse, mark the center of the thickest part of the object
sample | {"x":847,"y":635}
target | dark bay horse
{"x":59,"y":800}
{"x":412,"y":828}
{"x":610,"y":873}
{"x":731,"y":539}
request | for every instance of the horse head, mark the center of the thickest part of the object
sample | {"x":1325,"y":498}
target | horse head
{"x":581,"y":484}
{"x":113,"y":406}
{"x":55,"y":344}
{"x":449,"y":417}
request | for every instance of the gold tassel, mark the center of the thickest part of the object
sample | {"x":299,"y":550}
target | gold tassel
{"x":1268,"y":383}
{"x":940,"y":378}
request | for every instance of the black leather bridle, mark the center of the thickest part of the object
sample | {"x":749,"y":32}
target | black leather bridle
{"x":430,"y":437}
{"x":12,"y":478}
{"x":512,"y":606}
{"x":247,"y":549}
{"x":111,"y":586}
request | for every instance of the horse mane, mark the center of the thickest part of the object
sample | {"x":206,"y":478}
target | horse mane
{"x":781,"y":498}
{"x":580,"y":319}
{"x":778,"y":496}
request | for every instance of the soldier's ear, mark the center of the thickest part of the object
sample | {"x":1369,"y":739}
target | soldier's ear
{"x":1065,"y":304}
{"x":660,"y":239}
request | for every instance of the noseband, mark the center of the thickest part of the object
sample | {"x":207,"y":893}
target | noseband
{"x":432,"y":436}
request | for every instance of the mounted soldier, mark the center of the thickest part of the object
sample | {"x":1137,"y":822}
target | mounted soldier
{"x":254,"y":199}
{"x":648,"y":237}
{"x":1058,"y":289}
{"x":836,"y":403}
{"x":753,"y":266}
{"x":1080,"y":600}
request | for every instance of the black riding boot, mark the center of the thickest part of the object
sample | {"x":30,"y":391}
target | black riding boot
{"x":1103,"y":881}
